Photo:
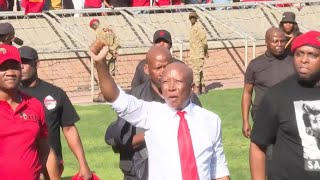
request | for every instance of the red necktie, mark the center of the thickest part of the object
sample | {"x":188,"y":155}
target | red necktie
{"x":187,"y":159}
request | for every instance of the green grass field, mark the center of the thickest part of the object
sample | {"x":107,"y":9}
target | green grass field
{"x":102,"y":160}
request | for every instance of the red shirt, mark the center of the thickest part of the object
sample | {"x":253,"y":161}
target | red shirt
{"x":137,"y":3}
{"x":19,"y":132}
{"x":167,"y":2}
{"x":92,"y":3}
{"x":3,"y":5}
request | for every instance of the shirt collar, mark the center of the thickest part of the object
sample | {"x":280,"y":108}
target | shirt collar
{"x":24,"y":101}
{"x":187,"y":109}
{"x":271,"y":57}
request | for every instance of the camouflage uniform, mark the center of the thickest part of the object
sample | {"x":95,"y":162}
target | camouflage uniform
{"x":198,"y":48}
{"x":110,"y":39}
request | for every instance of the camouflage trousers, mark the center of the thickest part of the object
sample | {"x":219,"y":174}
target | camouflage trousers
{"x":197,"y":69}
{"x":112,"y":66}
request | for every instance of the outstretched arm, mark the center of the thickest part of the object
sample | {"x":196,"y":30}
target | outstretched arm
{"x":245,"y":107}
{"x":108,"y":86}
{"x":128,"y":107}
{"x":73,"y":139}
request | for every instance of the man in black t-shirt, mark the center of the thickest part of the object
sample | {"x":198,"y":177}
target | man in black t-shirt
{"x":128,"y":140}
{"x":58,"y":108}
{"x":288,"y":118}
{"x":264,"y":72}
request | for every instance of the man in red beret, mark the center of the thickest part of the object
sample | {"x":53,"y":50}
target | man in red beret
{"x":289,"y":118}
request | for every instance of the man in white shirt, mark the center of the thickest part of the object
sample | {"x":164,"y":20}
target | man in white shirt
{"x":183,"y":139}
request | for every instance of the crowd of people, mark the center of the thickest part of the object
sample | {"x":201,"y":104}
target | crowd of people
{"x":285,"y":137}
{"x":11,"y":5}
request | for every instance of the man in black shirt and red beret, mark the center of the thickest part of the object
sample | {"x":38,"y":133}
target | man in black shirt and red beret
{"x":289,"y":118}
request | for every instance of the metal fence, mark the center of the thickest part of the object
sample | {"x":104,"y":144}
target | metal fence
{"x":61,"y":34}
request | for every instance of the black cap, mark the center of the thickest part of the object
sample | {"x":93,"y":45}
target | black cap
{"x":27,"y":52}
{"x":288,"y":17}
{"x":7,"y":28}
{"x":162,"y":34}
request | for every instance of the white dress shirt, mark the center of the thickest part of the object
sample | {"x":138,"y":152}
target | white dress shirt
{"x":161,"y":123}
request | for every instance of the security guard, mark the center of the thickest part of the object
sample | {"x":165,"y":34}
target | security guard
{"x":7,"y":34}
{"x":198,"y":50}
{"x":110,"y":39}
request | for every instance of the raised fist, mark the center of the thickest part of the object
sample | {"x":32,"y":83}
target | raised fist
{"x":96,"y":46}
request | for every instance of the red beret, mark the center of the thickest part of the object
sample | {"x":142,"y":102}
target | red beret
{"x":94,"y":177}
{"x":93,"y":21}
{"x":311,"y":38}
{"x":8,"y":52}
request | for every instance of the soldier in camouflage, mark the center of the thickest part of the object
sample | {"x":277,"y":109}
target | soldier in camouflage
{"x":110,"y":39}
{"x":198,"y":50}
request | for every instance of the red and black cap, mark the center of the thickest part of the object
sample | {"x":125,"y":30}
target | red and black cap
{"x":162,"y":34}
{"x":9,"y":53}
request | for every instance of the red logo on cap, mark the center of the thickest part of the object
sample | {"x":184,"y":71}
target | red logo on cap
{"x":161,"y":33}
{"x":3,"y":51}
{"x":318,"y":38}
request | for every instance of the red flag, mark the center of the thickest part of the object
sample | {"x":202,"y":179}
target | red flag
{"x":33,"y":6}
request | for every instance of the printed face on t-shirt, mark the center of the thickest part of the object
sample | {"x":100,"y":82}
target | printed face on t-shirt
{"x":308,"y":123}
{"x":312,"y":120}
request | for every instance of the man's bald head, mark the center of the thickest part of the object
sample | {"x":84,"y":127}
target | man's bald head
{"x":158,"y":53}
{"x":275,"y":41}
{"x":271,"y":32}
{"x":157,"y":59}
